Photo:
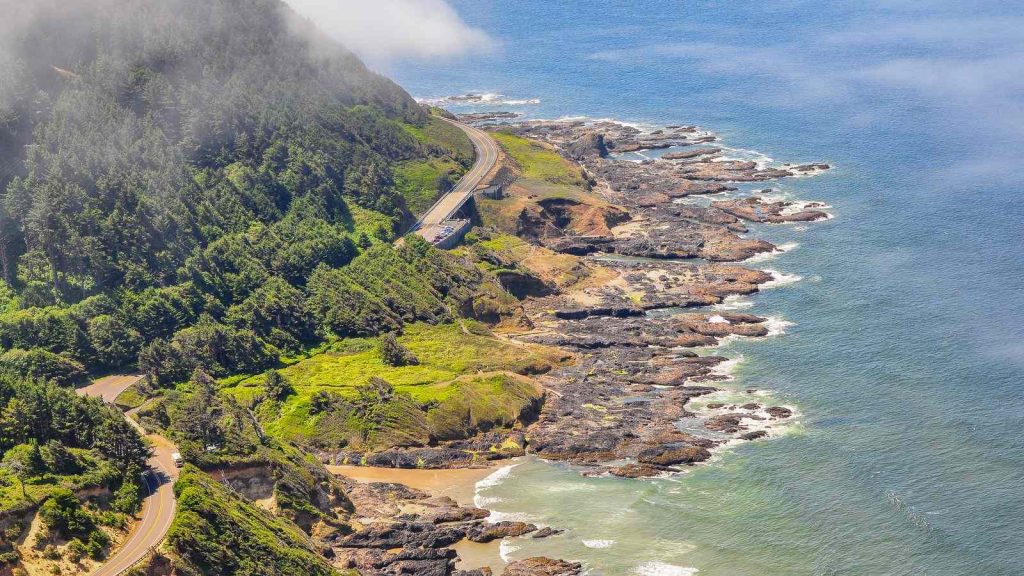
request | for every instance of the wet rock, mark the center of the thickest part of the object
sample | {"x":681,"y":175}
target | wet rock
{"x":634,"y":470}
{"x":483,"y":533}
{"x":756,"y":209}
{"x":728,"y":423}
{"x":754,"y":435}
{"x":458,"y":514}
{"x":779,"y":412}
{"x":690,"y":153}
{"x":541,"y":566}
{"x":419,"y":561}
{"x":546,"y":532}
{"x":673,"y":454}
{"x":398,"y":534}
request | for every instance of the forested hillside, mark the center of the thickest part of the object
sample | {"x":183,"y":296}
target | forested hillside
{"x":198,"y":189}
{"x":175,"y":164}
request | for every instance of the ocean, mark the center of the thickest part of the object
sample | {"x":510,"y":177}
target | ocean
{"x":904,"y":348}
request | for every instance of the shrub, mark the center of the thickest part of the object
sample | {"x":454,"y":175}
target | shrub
{"x":394,"y":354}
{"x":62,"y":513}
{"x":41,"y":364}
{"x":276,"y":386}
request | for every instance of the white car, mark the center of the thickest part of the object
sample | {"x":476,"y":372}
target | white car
{"x":178,"y":461}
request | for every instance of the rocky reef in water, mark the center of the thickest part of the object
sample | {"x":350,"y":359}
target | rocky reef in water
{"x":624,"y":274}
{"x":662,"y":261}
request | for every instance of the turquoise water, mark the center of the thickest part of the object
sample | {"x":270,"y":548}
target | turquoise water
{"x":906,"y":353}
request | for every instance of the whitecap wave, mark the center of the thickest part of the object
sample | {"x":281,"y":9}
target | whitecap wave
{"x":777,"y":325}
{"x":490,"y":481}
{"x":655,"y":568}
{"x":744,"y":155}
{"x":495,"y":478}
{"x":727,"y":368}
{"x":598,"y":543}
{"x":505,"y":550}
{"x":734,"y":302}
{"x":780,"y":249}
{"x":781,"y":279}
{"x":478,"y":98}
{"x":496,"y":516}
{"x":486,"y":501}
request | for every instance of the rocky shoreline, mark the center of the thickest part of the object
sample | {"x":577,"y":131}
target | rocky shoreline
{"x":646,"y":267}
{"x":616,"y":410}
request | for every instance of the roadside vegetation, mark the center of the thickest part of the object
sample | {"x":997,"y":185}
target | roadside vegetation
{"x":210,"y":193}
{"x":72,"y":459}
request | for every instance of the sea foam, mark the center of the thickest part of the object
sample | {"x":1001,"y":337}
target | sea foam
{"x":598,"y":543}
{"x":655,"y":568}
{"x":734,"y":302}
{"x":493,"y":479}
{"x":777,"y":325}
{"x":505,"y":550}
{"x":780,"y":249}
{"x":781,"y":279}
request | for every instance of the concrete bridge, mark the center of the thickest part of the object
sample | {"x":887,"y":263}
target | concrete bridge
{"x":440,"y":225}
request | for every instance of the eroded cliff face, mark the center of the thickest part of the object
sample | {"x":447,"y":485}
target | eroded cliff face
{"x":254,"y":483}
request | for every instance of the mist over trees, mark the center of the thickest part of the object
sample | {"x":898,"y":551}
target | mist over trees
{"x":174,"y":173}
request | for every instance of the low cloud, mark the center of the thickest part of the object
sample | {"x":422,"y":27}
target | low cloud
{"x":381,"y":31}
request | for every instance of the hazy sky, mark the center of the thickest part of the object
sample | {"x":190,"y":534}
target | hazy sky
{"x":380,"y":31}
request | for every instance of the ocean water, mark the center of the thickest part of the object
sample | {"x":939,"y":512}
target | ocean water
{"x":905,"y":352}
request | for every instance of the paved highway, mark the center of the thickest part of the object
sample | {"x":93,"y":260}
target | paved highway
{"x":158,"y":507}
{"x":486,"y":156}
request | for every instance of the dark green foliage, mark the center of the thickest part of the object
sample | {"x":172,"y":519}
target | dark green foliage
{"x":190,"y":159}
{"x":118,"y":441}
{"x":128,"y":498}
{"x":42,"y":411}
{"x":40,"y":364}
{"x":45,"y":433}
{"x":213,"y":347}
{"x":64,"y":515}
{"x":174,"y":192}
{"x":276,"y":312}
{"x":394,"y":354}
{"x":197,"y":420}
{"x":59,"y":459}
{"x":183,"y":121}
{"x":324,"y":401}
{"x":276,"y":387}
{"x":386,"y":287}
{"x":114,"y":342}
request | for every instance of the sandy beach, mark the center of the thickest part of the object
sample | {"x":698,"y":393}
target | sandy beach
{"x":458,"y":484}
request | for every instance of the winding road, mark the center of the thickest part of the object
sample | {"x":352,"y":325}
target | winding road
{"x":158,"y":507}
{"x":486,"y":156}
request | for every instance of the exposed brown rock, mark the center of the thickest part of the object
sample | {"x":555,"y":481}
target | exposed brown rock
{"x":541,"y":566}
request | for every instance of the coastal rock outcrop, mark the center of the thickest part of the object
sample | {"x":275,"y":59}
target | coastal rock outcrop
{"x":542,"y":566}
{"x":757,"y":209}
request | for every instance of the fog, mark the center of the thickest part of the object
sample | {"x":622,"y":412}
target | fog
{"x":381,"y":31}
